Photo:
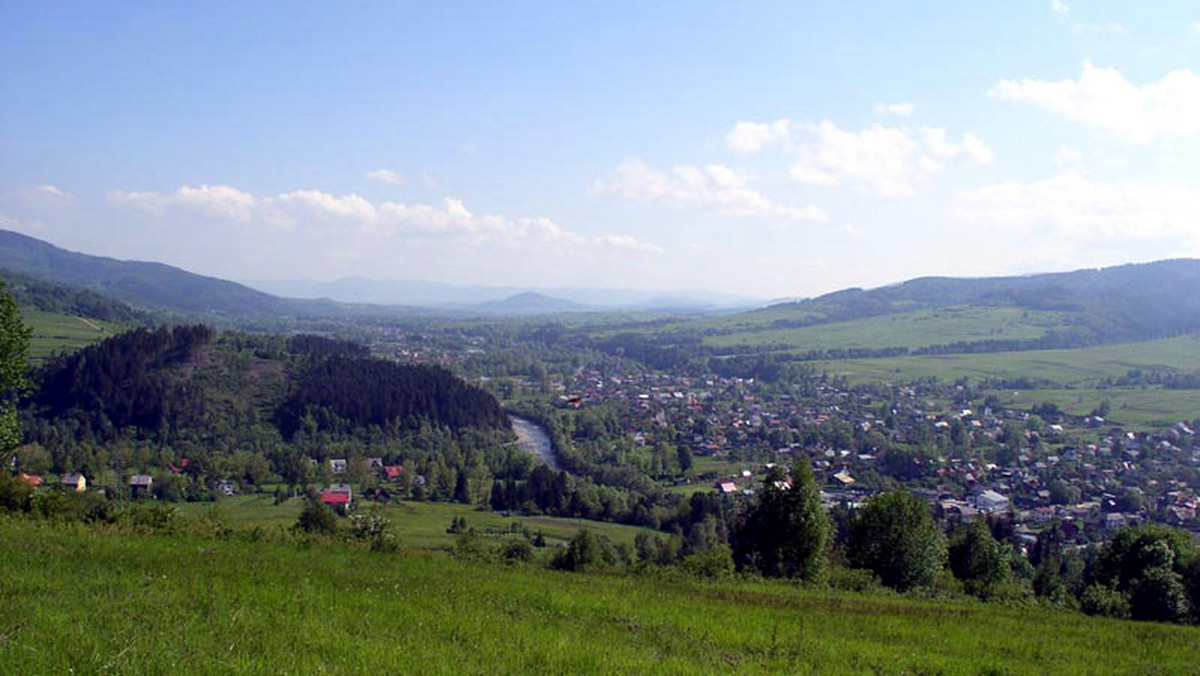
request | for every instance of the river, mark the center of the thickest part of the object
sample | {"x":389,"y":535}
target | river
{"x":533,"y":438}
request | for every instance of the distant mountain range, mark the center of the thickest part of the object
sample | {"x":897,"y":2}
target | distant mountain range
{"x":160,"y":287}
{"x":1122,"y":302}
{"x":454,"y":296}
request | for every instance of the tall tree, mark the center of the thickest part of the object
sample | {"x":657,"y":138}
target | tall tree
{"x":786,"y":533}
{"x":14,"y":344}
{"x":895,"y":536}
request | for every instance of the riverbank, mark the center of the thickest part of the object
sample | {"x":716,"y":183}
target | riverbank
{"x":534,"y":438}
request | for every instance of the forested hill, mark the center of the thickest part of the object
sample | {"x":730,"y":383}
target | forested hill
{"x":1117,"y":303}
{"x":189,"y":387}
{"x":66,"y":299}
{"x":141,"y":284}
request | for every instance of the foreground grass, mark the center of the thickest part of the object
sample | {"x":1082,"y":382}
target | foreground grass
{"x":78,"y":601}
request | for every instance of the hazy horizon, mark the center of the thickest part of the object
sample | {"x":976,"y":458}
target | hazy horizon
{"x":761,"y":149}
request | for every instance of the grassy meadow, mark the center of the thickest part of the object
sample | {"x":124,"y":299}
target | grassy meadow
{"x":54,"y":333}
{"x":1069,"y":368}
{"x":420,"y":526}
{"x":909,"y":329}
{"x":86,"y":602}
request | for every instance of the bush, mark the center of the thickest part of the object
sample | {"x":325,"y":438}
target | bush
{"x":1099,"y":599}
{"x":519,"y":551}
{"x":157,"y":518}
{"x":1159,"y":596}
{"x":14,"y":493}
{"x":714,"y":565}
{"x":317,"y":518}
{"x":853,"y":580}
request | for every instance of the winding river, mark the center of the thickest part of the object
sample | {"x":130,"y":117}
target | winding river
{"x":533,"y":438}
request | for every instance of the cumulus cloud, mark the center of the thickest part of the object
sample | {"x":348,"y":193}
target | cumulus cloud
{"x":880,"y":159}
{"x":1102,"y":98}
{"x":218,"y":201}
{"x":325,"y":214}
{"x":1059,"y":7}
{"x":714,"y":186}
{"x":386,"y":176}
{"x":903,"y":109}
{"x":1083,"y":209}
{"x":751,"y":137}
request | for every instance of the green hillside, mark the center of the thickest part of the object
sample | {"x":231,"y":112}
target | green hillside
{"x":55,"y":333}
{"x":145,"y":285}
{"x":910,"y":329}
{"x":78,"y":601}
{"x":1069,"y":368}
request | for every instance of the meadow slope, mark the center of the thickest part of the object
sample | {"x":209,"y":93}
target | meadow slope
{"x":79,"y":601}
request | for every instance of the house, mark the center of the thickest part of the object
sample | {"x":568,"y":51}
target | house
{"x":843,"y":477}
{"x":338,"y":465}
{"x":375,"y":463}
{"x":337,"y":496}
{"x":75,"y":481}
{"x":140,"y":484}
{"x":726,"y":487}
{"x":990,"y":501}
{"x":226,"y":487}
{"x":393,"y":471}
{"x":31,"y":479}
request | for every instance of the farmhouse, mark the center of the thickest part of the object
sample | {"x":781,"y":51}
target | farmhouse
{"x":337,"y":496}
{"x":75,"y":481}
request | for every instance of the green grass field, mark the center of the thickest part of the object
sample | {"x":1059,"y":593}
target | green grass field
{"x":54,"y":333}
{"x":1072,"y":367}
{"x":910,"y":329}
{"x":82,"y":602}
{"x":420,"y":526}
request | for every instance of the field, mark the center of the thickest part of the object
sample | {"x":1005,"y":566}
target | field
{"x":420,"y":526}
{"x":1074,"y":367}
{"x":78,"y":601}
{"x":53,"y":333}
{"x":910,"y":329}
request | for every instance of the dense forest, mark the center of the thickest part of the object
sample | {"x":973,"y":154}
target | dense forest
{"x":258,"y":409}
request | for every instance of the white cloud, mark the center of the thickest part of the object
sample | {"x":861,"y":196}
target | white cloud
{"x":714,"y":186}
{"x":903,"y":109}
{"x":1068,"y":155}
{"x":1104,"y":99}
{"x":386,"y":176}
{"x":1059,"y":7}
{"x":627,"y":242}
{"x":751,"y":137}
{"x":219,"y":201}
{"x":1085,"y":210}
{"x":1104,"y":28}
{"x":1196,"y":26}
{"x":347,"y":216}
{"x":52,"y":191}
{"x":879,"y":159}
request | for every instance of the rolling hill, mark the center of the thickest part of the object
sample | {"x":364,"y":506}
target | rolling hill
{"x":1085,"y":307}
{"x":140,"y":284}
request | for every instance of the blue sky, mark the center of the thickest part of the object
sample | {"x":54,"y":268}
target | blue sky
{"x":763,"y":148}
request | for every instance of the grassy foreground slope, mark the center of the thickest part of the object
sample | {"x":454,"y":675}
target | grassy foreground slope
{"x":78,"y":601}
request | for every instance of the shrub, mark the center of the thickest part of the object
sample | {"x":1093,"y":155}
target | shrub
{"x":1102,"y":600}
{"x":317,"y":518}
